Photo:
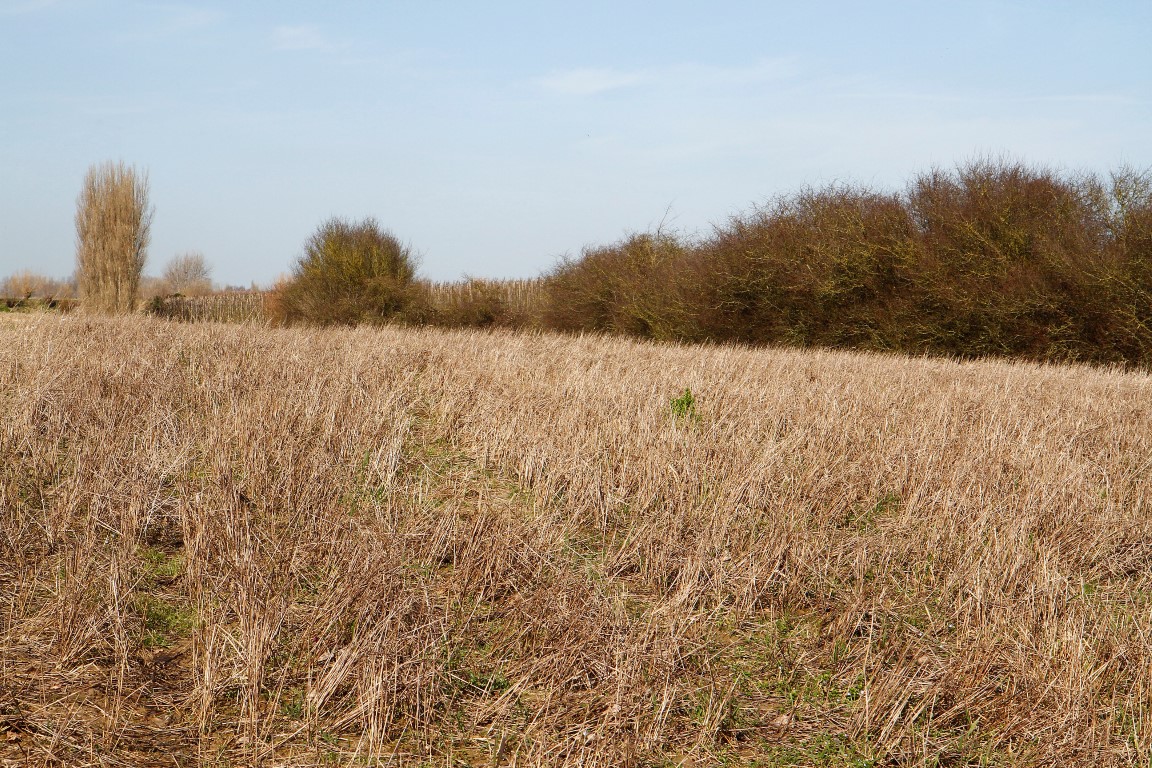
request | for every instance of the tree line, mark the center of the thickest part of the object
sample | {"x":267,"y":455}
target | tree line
{"x":993,"y":257}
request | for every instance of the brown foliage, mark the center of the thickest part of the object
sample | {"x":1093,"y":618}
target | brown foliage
{"x":821,"y":267}
{"x":632,"y":287}
{"x":993,"y":258}
{"x":481,"y":303}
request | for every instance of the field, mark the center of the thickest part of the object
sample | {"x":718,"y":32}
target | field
{"x":234,"y":545}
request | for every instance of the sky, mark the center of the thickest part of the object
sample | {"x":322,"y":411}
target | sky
{"x":497,"y":136}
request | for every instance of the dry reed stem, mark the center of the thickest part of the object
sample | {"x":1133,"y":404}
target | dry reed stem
{"x":522,"y":298}
{"x":287,"y":547}
{"x":224,"y":307}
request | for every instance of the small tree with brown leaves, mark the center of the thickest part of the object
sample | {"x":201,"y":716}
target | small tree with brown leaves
{"x":113,"y":227}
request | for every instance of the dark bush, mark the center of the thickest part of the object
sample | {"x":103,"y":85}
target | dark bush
{"x":1127,"y":206}
{"x":822,"y":267}
{"x":992,"y":258}
{"x":1013,"y":262}
{"x":636,"y":286}
{"x":350,"y":273}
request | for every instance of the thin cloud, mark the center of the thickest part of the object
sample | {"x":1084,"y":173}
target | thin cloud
{"x":186,"y":18}
{"x":178,"y":18}
{"x":594,"y":81}
{"x":863,"y":89}
{"x":20,"y":7}
{"x":303,"y":37}
{"x":589,"y":82}
{"x":169,"y":20}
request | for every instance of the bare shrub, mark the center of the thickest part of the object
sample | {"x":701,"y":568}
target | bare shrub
{"x":152,"y":287}
{"x":276,"y":311}
{"x":350,"y":273}
{"x":31,"y":285}
{"x":113,"y":228}
{"x":1126,"y":202}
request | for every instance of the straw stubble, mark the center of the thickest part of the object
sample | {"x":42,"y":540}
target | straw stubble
{"x":228,"y":543}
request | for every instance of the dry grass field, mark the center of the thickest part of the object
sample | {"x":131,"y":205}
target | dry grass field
{"x":231,"y":545}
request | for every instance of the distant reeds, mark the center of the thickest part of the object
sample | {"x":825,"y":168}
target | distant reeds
{"x":220,"y":307}
{"x":477,"y":303}
{"x":474,"y":303}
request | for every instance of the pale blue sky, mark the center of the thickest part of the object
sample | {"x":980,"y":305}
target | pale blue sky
{"x":498,"y":135}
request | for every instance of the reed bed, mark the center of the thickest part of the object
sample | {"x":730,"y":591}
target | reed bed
{"x":225,"y":307}
{"x":522,"y":300}
{"x":467,"y":303}
{"x":428,"y":547}
{"x":38,"y":304}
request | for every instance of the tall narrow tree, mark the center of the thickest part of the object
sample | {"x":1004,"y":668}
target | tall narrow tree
{"x":113,"y":227}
